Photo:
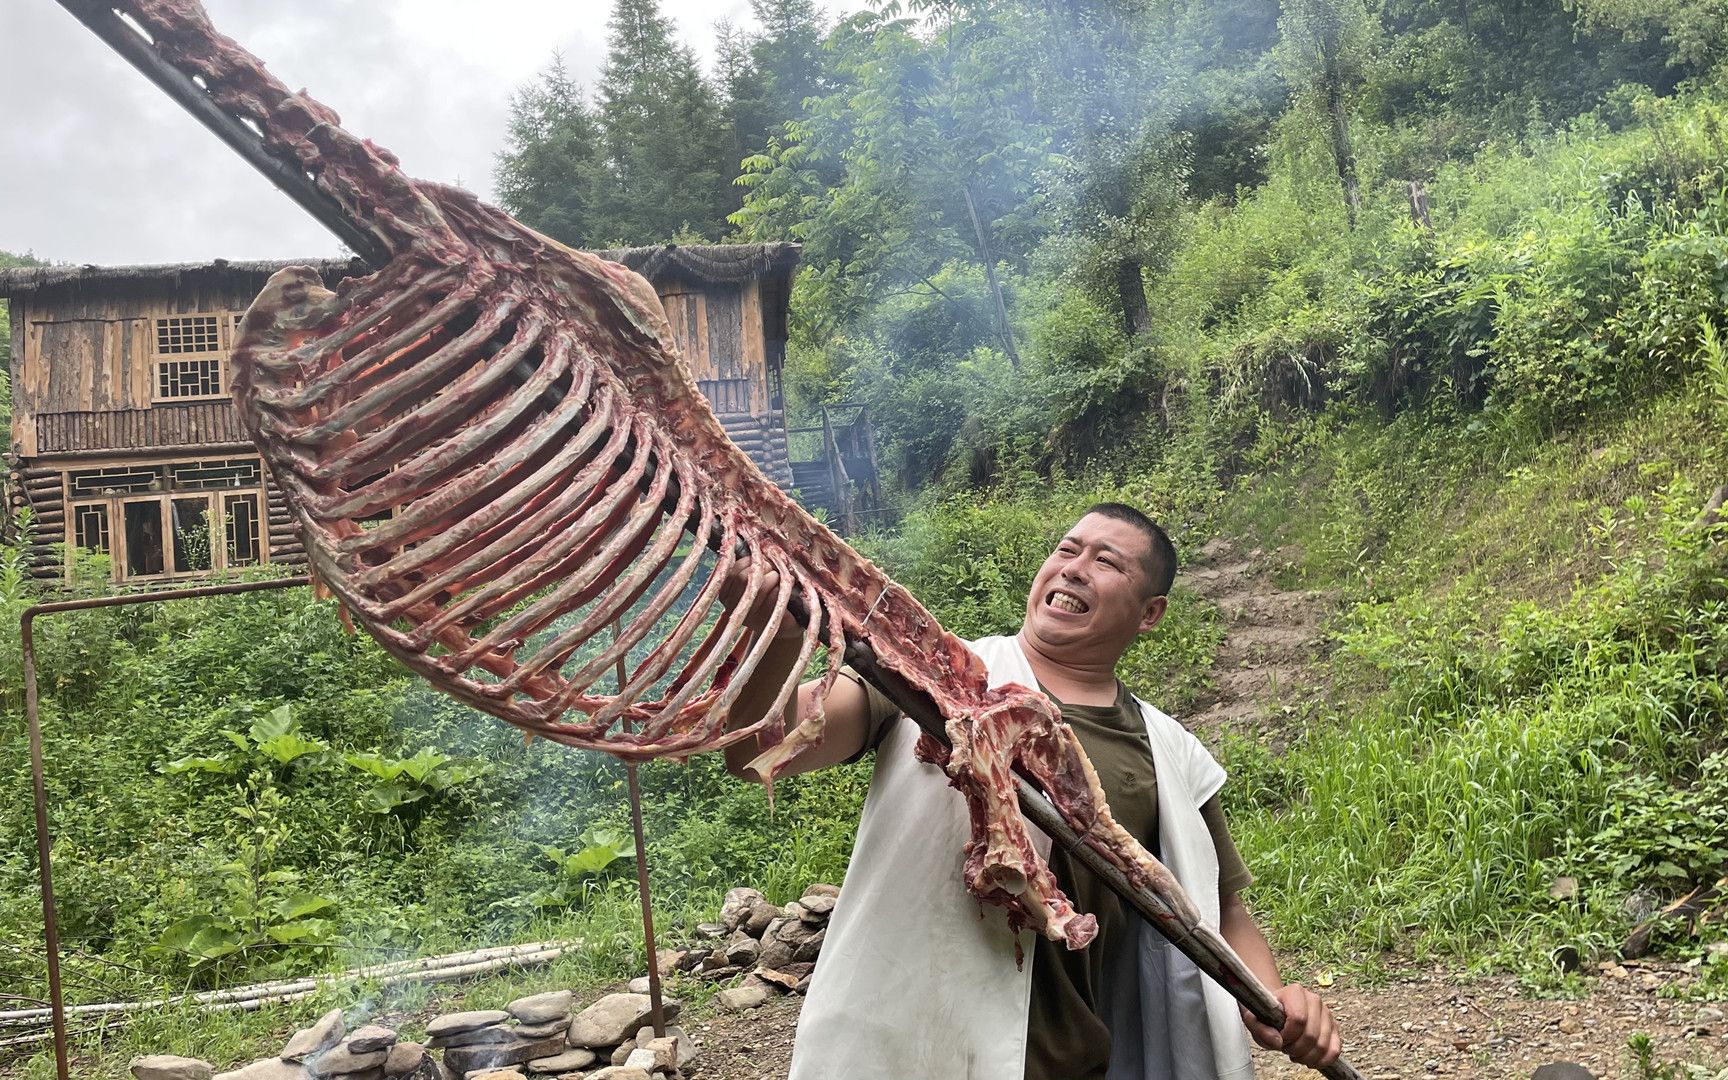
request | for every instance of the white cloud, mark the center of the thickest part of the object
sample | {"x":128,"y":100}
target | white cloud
{"x":97,"y":165}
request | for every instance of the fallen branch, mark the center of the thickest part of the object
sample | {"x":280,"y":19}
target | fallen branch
{"x":250,"y":998}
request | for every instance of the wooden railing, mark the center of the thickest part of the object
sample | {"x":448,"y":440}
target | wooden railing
{"x":844,"y":432}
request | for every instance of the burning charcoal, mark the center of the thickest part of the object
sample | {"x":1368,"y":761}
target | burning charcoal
{"x":321,"y":1036}
{"x":168,"y":1067}
{"x":541,"y":1008}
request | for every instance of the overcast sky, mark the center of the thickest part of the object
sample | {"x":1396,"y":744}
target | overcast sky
{"x":98,"y":166}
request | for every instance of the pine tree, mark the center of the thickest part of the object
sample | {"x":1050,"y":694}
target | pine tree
{"x":551,"y":173}
{"x":663,"y":137}
{"x":788,"y":58}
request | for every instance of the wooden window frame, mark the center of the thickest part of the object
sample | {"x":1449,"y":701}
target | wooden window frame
{"x":225,"y":327}
{"x":216,"y":499}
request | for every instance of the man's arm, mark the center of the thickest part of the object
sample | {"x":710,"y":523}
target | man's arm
{"x":1310,"y":1034}
{"x":846,"y":708}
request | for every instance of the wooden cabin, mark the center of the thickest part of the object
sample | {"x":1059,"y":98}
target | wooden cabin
{"x":125,"y":441}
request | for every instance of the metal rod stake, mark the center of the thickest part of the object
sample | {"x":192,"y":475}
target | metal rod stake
{"x":656,"y":1004}
{"x":38,"y":773}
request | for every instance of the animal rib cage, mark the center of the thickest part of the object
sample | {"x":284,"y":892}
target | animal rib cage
{"x":508,"y":476}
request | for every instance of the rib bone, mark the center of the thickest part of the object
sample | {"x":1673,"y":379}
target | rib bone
{"x":492,"y":446}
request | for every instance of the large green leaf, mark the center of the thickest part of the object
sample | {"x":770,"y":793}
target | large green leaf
{"x":278,"y":721}
{"x":376,"y":764}
{"x":422,"y":765}
{"x":289,"y":747}
{"x":301,"y":904}
{"x":387,"y":797}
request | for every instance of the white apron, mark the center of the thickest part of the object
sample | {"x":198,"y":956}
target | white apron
{"x":914,"y":982}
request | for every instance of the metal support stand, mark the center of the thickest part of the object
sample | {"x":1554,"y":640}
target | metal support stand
{"x":656,"y":1004}
{"x":38,"y":775}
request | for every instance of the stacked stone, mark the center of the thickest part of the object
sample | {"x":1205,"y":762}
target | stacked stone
{"x":494,"y":1040}
{"x":324,"y":1051}
{"x":774,"y":947}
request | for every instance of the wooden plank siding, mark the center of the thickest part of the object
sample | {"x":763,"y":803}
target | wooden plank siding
{"x":85,"y":385}
{"x":196,"y":423}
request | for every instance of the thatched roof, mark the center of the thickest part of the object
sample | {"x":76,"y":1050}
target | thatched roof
{"x":719,"y":264}
{"x":715,"y":264}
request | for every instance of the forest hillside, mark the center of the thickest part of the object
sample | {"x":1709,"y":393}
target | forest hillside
{"x":1423,"y":304}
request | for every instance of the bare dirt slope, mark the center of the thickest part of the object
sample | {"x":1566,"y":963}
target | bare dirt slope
{"x":1274,"y":641}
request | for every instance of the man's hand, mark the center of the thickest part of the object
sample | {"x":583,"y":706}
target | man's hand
{"x":1310,"y":1034}
{"x":732,"y":591}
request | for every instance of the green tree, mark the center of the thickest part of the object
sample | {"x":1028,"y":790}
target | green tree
{"x":1692,"y":32}
{"x":1114,"y":99}
{"x":661,"y":131}
{"x":1323,"y":49}
{"x":552,"y":172}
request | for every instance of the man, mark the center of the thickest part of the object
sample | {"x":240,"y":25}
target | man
{"x":914,"y":983}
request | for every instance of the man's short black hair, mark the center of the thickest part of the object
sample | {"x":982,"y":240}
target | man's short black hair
{"x":1161,"y":564}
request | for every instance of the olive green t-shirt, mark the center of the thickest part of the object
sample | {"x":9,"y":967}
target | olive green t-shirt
{"x":1066,"y":1039}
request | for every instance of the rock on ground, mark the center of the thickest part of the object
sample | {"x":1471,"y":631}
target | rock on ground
{"x":321,"y":1036}
{"x":169,"y":1067}
{"x":456,"y":1023}
{"x":740,"y":998}
{"x":577,"y":1057}
{"x":610,"y":1020}
{"x":266,"y":1069}
{"x":371,"y":1037}
{"x":541,"y":1008}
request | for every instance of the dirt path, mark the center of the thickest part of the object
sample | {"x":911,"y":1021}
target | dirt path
{"x":1273,"y":644}
{"x":1420,"y":1026}
{"x":1415,"y":1026}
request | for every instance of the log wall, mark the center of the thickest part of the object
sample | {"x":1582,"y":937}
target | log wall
{"x":84,"y":369}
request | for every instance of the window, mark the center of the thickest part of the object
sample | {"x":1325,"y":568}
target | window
{"x":192,"y":356}
{"x":170,"y":519}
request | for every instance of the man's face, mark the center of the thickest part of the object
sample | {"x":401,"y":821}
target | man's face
{"x":1094,"y":591}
